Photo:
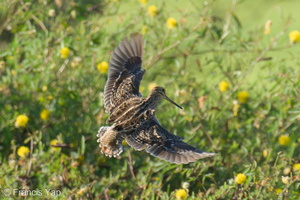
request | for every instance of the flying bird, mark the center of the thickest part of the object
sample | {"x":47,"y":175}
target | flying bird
{"x":133,"y":116}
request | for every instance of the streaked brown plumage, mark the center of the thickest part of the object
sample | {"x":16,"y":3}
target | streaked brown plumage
{"x":133,"y":116}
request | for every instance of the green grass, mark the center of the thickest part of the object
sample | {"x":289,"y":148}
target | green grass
{"x":214,"y":41}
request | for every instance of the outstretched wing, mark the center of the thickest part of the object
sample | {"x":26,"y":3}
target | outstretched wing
{"x":157,"y":141}
{"x":125,"y":72}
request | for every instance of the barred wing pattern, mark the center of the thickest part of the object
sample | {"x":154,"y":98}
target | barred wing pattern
{"x":157,"y":141}
{"x":125,"y":72}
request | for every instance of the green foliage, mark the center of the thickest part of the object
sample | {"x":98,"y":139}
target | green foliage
{"x":212,"y":42}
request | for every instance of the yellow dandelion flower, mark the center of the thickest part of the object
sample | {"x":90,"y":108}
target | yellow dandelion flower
{"x":171,"y":23}
{"x":53,"y":143}
{"x":240,"y":178}
{"x":44,"y":88}
{"x":294,"y":36}
{"x":278,"y":190}
{"x":102,"y":67}
{"x":143,"y":2}
{"x":152,"y":10}
{"x":50,"y":97}
{"x":151,"y":86}
{"x":23,"y":151}
{"x":268,"y":27}
{"x":45,"y":114}
{"x":296,"y":167}
{"x":21,"y":121}
{"x":243,"y":96}
{"x":181,"y":194}
{"x":284,"y":140}
{"x":65,"y":52}
{"x":223,"y":86}
{"x":144,"y":30}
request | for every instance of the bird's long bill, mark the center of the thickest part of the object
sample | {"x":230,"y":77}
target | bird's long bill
{"x":167,"y":98}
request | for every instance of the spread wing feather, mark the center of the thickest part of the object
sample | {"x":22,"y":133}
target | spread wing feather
{"x":125,"y":72}
{"x":157,"y":141}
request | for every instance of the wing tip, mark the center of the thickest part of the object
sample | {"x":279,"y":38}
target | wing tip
{"x":177,"y":157}
{"x":190,"y":157}
{"x":126,"y":57}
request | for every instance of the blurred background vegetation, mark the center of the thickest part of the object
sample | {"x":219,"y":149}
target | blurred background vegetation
{"x":233,"y":65}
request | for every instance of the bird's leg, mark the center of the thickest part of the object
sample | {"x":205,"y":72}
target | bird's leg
{"x":110,"y":141}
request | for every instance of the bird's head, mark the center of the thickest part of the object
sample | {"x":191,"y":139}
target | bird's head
{"x":160,"y":93}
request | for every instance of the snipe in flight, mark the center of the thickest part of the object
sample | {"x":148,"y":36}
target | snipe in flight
{"x":133,"y":116}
